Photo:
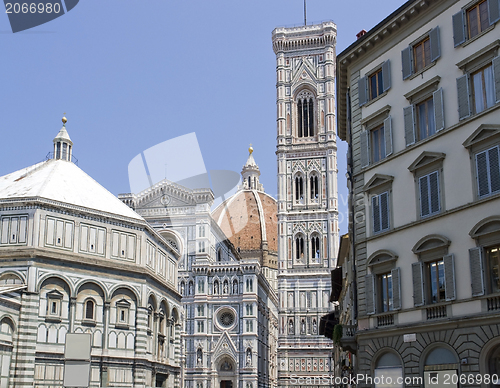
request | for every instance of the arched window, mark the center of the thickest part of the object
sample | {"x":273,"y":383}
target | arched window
{"x":494,"y":363}
{"x":299,"y":247}
{"x":199,"y":357}
{"x":89,"y":309}
{"x":313,"y":182}
{"x":388,"y":365}
{"x":315,"y":247}
{"x":249,"y":184}
{"x":299,"y":189}
{"x":305,"y":114}
{"x":219,"y":255}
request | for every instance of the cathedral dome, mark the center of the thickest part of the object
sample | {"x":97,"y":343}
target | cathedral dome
{"x":249,"y":217}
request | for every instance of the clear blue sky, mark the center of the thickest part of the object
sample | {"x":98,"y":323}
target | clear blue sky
{"x":133,"y":73}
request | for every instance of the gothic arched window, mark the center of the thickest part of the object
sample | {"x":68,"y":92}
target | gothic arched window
{"x":299,"y":189}
{"x":299,"y":247}
{"x":313,"y":181}
{"x":305,"y":114}
{"x":315,"y":247}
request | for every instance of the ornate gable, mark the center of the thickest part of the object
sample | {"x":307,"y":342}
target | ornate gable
{"x":483,"y":132}
{"x":225,"y":346}
{"x":376,"y":181}
{"x":426,"y":158}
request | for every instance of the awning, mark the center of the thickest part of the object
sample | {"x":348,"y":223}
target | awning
{"x":327,"y":323}
{"x":336,"y":284}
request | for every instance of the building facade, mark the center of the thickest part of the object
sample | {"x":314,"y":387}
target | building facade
{"x":225,"y":278}
{"x":74,"y":259}
{"x":419,"y":103}
{"x":307,"y":194}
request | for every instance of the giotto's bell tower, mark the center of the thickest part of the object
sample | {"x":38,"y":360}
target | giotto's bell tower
{"x":307,"y":194}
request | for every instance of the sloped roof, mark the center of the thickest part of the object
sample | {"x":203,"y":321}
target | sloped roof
{"x":62,"y":181}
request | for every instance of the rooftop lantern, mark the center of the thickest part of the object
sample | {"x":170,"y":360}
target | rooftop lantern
{"x":63,"y":144}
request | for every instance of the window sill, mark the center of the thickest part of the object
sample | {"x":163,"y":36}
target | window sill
{"x":88,"y":322}
{"x":380,"y":96}
{"x":471,"y":40}
{"x":123,"y":326}
{"x":421,"y":71}
{"x":53,"y":319}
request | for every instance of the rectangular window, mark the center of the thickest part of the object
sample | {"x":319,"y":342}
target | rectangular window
{"x":378,"y":144}
{"x":430,"y":202}
{"x":477,"y":19}
{"x":483,"y":88}
{"x":375,"y":84}
{"x":380,"y":212}
{"x":493,"y":260}
{"x":436,"y":281}
{"x":422,"y":54}
{"x":386,"y":297}
{"x":488,"y":171}
{"x":426,"y":126}
{"x":470,"y":22}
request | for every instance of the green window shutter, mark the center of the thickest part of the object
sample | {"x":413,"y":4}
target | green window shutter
{"x":408,"y":113}
{"x":388,"y":135}
{"x":459,"y":34}
{"x":396,"y":288}
{"x":435,"y":44}
{"x":437,"y":97}
{"x":370,"y":294}
{"x":364,"y":148}
{"x":494,"y":10}
{"x":406,"y":62}
{"x":363,"y":91}
{"x":463,"y":97}
{"x":476,"y":271}
{"x":496,"y":76}
{"x":449,"y":277}
{"x":418,"y":286}
{"x":386,"y":75}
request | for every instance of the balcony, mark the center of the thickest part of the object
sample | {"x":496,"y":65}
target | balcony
{"x":348,"y":339}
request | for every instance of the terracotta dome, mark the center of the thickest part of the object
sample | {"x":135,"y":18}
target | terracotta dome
{"x":249,"y":218}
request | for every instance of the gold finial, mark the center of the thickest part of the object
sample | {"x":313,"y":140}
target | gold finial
{"x":250,"y":149}
{"x":64,"y":119}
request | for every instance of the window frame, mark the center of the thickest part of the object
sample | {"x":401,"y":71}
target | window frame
{"x":380,"y":118}
{"x":380,"y":263}
{"x":312,"y":123}
{"x":364,"y":83}
{"x":461,"y":22}
{"x":85,"y":310}
{"x":408,"y":54}
{"x":425,"y":54}
{"x":473,"y":94}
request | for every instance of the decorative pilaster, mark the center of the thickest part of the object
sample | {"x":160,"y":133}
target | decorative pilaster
{"x":24,"y":370}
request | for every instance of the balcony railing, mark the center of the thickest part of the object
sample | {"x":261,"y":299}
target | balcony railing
{"x":385,"y":320}
{"x":348,"y":340}
{"x":493,"y":303}
{"x":436,"y":312}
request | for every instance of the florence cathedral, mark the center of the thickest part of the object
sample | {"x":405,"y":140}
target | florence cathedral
{"x":168,"y":291}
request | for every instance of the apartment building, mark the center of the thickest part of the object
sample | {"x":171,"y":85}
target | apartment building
{"x":419,"y":104}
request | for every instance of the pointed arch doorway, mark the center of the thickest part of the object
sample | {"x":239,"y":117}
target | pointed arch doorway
{"x":226,"y":371}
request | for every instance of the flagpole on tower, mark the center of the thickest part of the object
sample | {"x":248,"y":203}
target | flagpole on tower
{"x":305,"y":15}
